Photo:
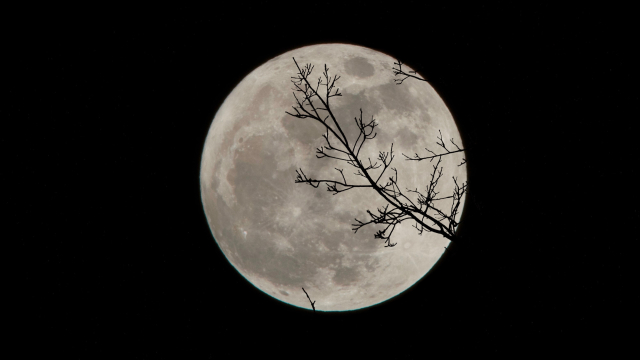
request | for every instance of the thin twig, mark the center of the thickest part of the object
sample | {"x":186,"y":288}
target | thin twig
{"x":312,"y":302}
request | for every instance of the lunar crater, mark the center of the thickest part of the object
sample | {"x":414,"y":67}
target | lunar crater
{"x":359,"y":67}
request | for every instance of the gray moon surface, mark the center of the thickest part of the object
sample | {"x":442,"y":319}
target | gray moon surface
{"x":283,"y":236}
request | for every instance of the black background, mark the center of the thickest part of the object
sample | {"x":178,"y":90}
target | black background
{"x":105,"y":115}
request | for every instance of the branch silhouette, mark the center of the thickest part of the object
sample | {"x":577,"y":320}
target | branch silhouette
{"x":312,"y":302}
{"x":313,"y":102}
{"x":397,"y":70}
{"x":441,"y":144}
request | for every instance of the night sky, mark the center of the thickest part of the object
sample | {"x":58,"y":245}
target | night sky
{"x":106,"y":114}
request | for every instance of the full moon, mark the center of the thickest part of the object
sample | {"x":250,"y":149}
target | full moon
{"x":282,"y":236}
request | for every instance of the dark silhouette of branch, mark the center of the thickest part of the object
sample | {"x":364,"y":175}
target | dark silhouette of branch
{"x":313,"y":102}
{"x":441,"y":144}
{"x":397,"y":70}
{"x":312,"y":302}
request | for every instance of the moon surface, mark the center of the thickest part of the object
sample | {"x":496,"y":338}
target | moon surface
{"x":283,"y":236}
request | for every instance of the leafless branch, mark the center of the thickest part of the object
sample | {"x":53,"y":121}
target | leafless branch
{"x":434,"y":156}
{"x":331,"y":184}
{"x":312,"y":302}
{"x":310,"y":104}
{"x":397,"y":70}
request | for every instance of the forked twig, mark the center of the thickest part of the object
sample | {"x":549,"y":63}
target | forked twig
{"x":312,"y":302}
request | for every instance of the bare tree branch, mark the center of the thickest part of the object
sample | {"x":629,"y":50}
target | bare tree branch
{"x":397,"y":70}
{"x":442,"y":145}
{"x":312,"y":302}
{"x":424,"y":212}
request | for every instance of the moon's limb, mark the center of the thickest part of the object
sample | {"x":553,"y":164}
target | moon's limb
{"x":283,"y":236}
